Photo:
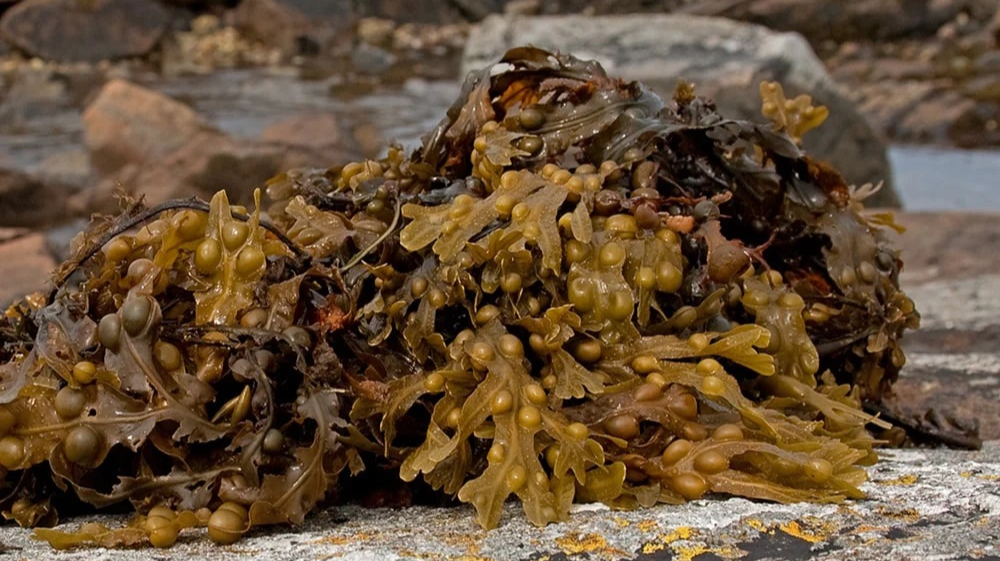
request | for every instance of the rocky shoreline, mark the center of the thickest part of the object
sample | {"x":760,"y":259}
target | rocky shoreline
{"x":83,"y":111}
{"x":921,"y":71}
{"x":927,"y":74}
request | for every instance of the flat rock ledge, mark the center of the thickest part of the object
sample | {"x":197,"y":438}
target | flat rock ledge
{"x":923,"y":504}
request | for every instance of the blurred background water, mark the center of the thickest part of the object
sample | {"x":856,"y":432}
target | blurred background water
{"x":244,"y":102}
{"x":936,"y":178}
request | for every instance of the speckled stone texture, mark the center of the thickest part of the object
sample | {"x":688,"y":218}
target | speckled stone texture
{"x":922,"y":504}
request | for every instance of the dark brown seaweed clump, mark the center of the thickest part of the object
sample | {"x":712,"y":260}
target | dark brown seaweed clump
{"x":572,"y":292}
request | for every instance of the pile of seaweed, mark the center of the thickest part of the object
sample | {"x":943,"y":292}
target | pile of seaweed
{"x":572,"y":292}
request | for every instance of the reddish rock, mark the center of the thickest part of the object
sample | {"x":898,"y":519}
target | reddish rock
{"x":319,"y":132}
{"x":73,"y":30}
{"x":28,"y":201}
{"x":205,"y":164}
{"x":153,"y":145}
{"x":127,"y":123}
{"x":25,"y":266}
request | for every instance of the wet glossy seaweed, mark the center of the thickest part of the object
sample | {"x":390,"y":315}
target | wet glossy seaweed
{"x":573,"y":291}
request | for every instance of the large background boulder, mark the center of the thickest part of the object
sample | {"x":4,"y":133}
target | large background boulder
{"x":127,"y":123}
{"x":89,"y":31}
{"x":208,"y":162}
{"x":725,"y":59}
{"x":211,"y":162}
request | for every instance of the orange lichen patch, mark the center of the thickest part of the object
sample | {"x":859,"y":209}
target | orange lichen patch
{"x":574,"y":543}
{"x":622,"y":522}
{"x":682,"y":533}
{"x":678,"y":534}
{"x":983,"y":476}
{"x":810,"y":528}
{"x":648,"y":525}
{"x":652,"y":547}
{"x":795,"y":529}
{"x":908,"y":479}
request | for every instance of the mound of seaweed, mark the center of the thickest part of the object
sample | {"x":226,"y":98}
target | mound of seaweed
{"x":572,"y":291}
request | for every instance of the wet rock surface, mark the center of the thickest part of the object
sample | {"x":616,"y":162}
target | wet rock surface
{"x":725,"y":60}
{"x":922,"y":504}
